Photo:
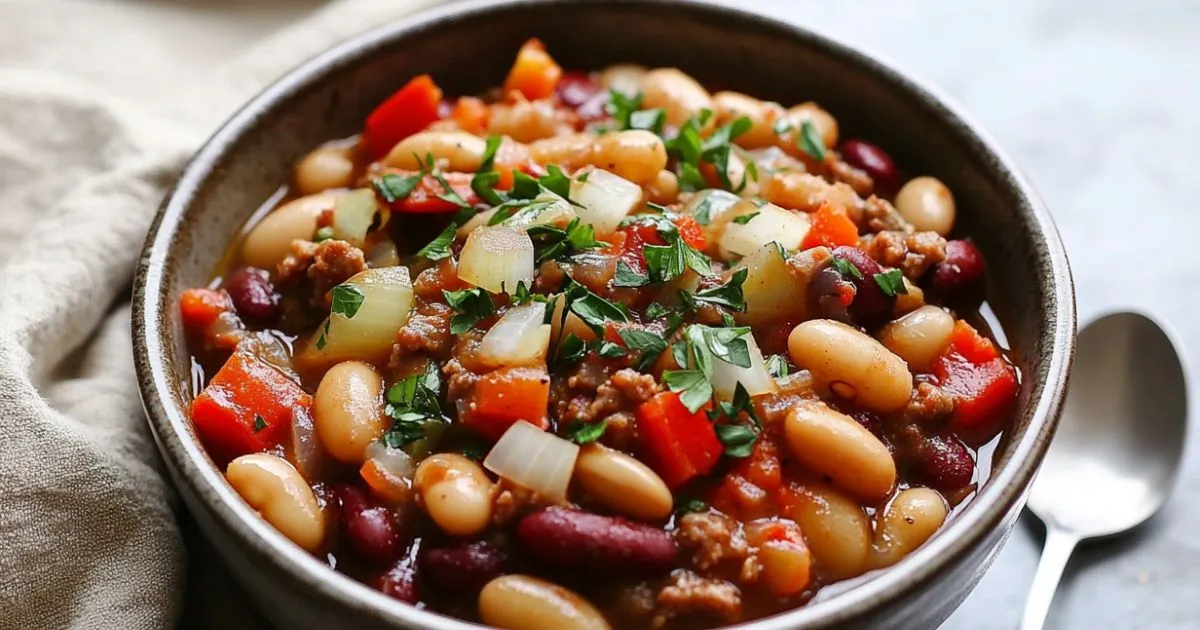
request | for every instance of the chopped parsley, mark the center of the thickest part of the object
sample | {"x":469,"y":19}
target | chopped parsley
{"x":323,"y":234}
{"x":655,"y":310}
{"x":645,"y":344}
{"x":552,"y":243}
{"x":777,"y":365}
{"x":743,"y":219}
{"x":665,"y":262}
{"x":585,"y":433}
{"x":692,"y":505}
{"x":259,"y":423}
{"x":891,"y":282}
{"x":346,"y":300}
{"x":718,"y":146}
{"x":700,"y":347}
{"x":594,"y":310}
{"x":555,"y":181}
{"x":439,"y":247}
{"x":810,"y":141}
{"x":648,"y":119}
{"x":738,"y":439}
{"x":485,"y":179}
{"x":413,"y":404}
{"x":627,"y":277}
{"x":524,"y":296}
{"x":728,"y":295}
{"x":571,"y":349}
{"x":472,"y":306}
{"x":621,"y":107}
{"x":846,"y":268}
{"x":781,"y":126}
{"x":395,"y":188}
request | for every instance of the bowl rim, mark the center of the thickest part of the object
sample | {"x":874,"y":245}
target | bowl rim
{"x":1004,"y":492}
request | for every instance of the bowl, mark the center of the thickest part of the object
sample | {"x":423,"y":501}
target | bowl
{"x":468,"y":46}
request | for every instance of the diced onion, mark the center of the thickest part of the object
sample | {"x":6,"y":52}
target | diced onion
{"x":383,"y":254}
{"x":307,"y":453}
{"x":558,"y":212}
{"x":605,"y":199}
{"x":368,"y":336}
{"x":772,"y":224}
{"x":756,"y":379}
{"x":536,"y":460}
{"x":772,"y":290}
{"x":497,"y":258}
{"x":387,"y":471}
{"x":354,"y":214}
{"x":711,"y":206}
{"x":519,"y":338}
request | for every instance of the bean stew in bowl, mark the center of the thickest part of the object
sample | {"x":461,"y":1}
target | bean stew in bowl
{"x":601,"y":349}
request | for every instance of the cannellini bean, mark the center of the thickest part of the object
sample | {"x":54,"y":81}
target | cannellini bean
{"x":729,"y":106}
{"x":835,"y":528}
{"x":624,"y":78}
{"x":795,"y":190}
{"x":324,"y":168}
{"x":636,"y":155}
{"x":622,"y":483}
{"x":824,"y":122}
{"x":926,"y":203}
{"x":784,"y":559}
{"x":664,"y":188}
{"x":526,"y":121}
{"x":919,"y":337}
{"x":348,"y":410}
{"x":273,"y":487}
{"x":452,"y":150}
{"x":914,"y":515}
{"x":270,"y":241}
{"x":457,"y":494}
{"x":835,"y":445}
{"x":909,"y":301}
{"x":679,"y":95}
{"x":851,"y":364}
{"x":521,"y":602}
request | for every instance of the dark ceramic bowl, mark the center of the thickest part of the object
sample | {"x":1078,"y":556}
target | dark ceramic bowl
{"x":468,"y":48}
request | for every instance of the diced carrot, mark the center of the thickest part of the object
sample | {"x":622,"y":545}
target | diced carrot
{"x":471,"y":114}
{"x":831,"y":227}
{"x":384,"y":483}
{"x":974,"y":347}
{"x":690,"y":231}
{"x":984,"y":385}
{"x":504,"y":396}
{"x":427,"y":196}
{"x":411,"y":109}
{"x":534,"y":74}
{"x":679,"y":444}
{"x":246,"y":408}
{"x":201,"y":307}
{"x":762,"y":467}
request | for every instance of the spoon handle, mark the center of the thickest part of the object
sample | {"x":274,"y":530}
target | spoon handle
{"x":1059,"y":545}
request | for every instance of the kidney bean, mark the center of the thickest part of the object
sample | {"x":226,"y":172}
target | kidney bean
{"x":252,"y":293}
{"x":872,"y":160}
{"x":400,"y":580}
{"x":462,"y":567}
{"x":829,"y":295}
{"x":577,"y":540}
{"x":960,"y":274}
{"x":578,"y":91}
{"x":871,"y":306}
{"x":369,"y":528}
{"x":944,"y":463}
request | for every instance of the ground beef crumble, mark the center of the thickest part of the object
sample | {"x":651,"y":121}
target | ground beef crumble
{"x":324,"y":265}
{"x":928,"y":404}
{"x":712,"y":539}
{"x":689,"y":594}
{"x":426,"y":331}
{"x":911,"y":252}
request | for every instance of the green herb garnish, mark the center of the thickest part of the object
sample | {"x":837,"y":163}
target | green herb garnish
{"x":891,"y":282}
{"x":743,"y":219}
{"x":585,"y":433}
{"x":259,"y":423}
{"x":777,"y":365}
{"x":323,"y":234}
{"x":395,"y":188}
{"x":439,"y":247}
{"x":846,"y":268}
{"x":647,"y":345}
{"x":810,"y":141}
{"x":345,"y":299}
{"x":552,"y":243}
{"x":472,"y":306}
{"x":413,"y":404}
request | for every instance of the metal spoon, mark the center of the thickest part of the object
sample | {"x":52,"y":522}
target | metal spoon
{"x":1118,"y":447}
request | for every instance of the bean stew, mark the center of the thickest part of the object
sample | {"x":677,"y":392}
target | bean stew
{"x":601,"y":350}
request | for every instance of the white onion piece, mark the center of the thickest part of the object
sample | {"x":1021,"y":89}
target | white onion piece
{"x":756,"y":379}
{"x":368,"y":336}
{"x":605,"y":199}
{"x":353,"y":215}
{"x":383,"y":254}
{"x":519,"y":338}
{"x":771,"y":224}
{"x":772,"y":288}
{"x":558,"y":213}
{"x":307,"y":453}
{"x":392,"y":460}
{"x":497,"y":258}
{"x":711,"y":206}
{"x":534,"y":459}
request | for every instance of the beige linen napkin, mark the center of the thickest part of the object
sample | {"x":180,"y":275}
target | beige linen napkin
{"x":98,"y":112}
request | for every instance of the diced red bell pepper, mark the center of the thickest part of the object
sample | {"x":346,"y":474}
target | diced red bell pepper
{"x":831,"y":227}
{"x":504,"y":396}
{"x":690,"y":231}
{"x":983,"y":384}
{"x":534,"y":74}
{"x":246,"y":408}
{"x":679,"y":444}
{"x":411,"y":109}
{"x":425,"y":199}
{"x":201,"y":307}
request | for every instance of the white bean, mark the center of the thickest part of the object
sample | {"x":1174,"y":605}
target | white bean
{"x":679,"y":95}
{"x":636,"y":155}
{"x":456,"y":493}
{"x":851,"y":364}
{"x":273,"y":487}
{"x":623,"y":78}
{"x":521,"y":602}
{"x":919,"y":337}
{"x":762,"y":114}
{"x":927,"y":204}
{"x":324,"y":168}
{"x":270,"y":241}
{"x":456,"y":151}
{"x":835,"y":445}
{"x":622,"y":483}
{"x":914,"y":515}
{"x":348,"y":410}
{"x":835,"y":528}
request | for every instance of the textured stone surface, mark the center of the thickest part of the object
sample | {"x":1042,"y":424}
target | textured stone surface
{"x":1094,"y":102}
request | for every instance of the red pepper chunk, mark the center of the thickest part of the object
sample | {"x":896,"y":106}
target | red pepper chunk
{"x":831,"y":227}
{"x":679,"y":444}
{"x":983,"y":384}
{"x":505,"y":396}
{"x":690,"y":231}
{"x":246,"y":392}
{"x":201,"y":307}
{"x":425,"y":199}
{"x":411,"y":109}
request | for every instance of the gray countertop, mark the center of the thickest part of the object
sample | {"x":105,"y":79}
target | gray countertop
{"x":1099,"y":103}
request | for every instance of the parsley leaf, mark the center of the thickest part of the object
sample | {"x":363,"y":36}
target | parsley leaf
{"x":781,"y":126}
{"x":448,"y":194}
{"x":777,"y":365}
{"x":692,"y":505}
{"x":627,"y":277}
{"x":524,"y":186}
{"x":609,"y":350}
{"x":585,"y":433}
{"x":646,"y":344}
{"x":323,"y":234}
{"x":472,"y":306}
{"x":716,"y":148}
{"x":524,"y":296}
{"x":846,"y":268}
{"x":485,"y":179}
{"x":622,"y":106}
{"x":693,"y":387}
{"x":594,"y":310}
{"x":810,"y":141}
{"x":346,"y":300}
{"x":891,"y":282}
{"x":728,"y":295}
{"x":655,"y":310}
{"x":738,"y":439}
{"x":413,"y":404}
{"x":552,"y":243}
{"x":571,"y":349}
{"x":394,"y":187}
{"x":666,"y":262}
{"x":259,"y":423}
{"x":555,"y":181}
{"x":727,"y":344}
{"x":439,"y":247}
{"x":743,"y":219}
{"x":648,"y":119}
